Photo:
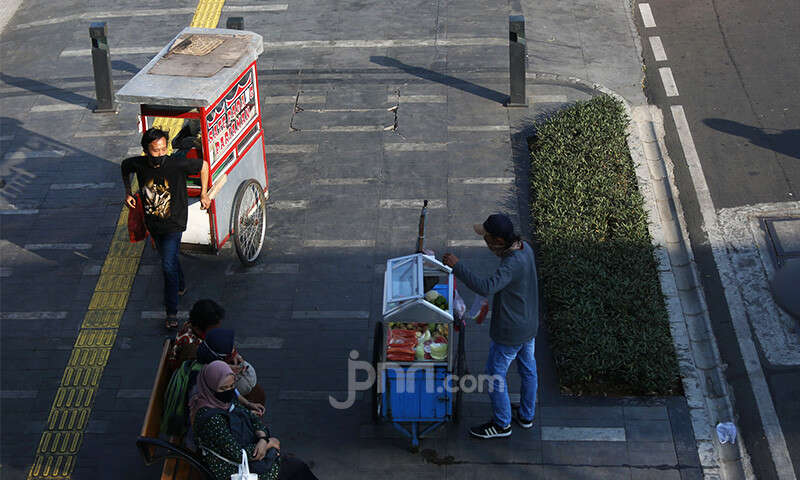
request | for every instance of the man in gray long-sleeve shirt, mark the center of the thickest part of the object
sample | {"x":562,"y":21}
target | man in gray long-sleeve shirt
{"x":515,"y":321}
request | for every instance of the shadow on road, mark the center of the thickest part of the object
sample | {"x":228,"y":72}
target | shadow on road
{"x":42,"y":88}
{"x":463,"y":85}
{"x":786,"y":142}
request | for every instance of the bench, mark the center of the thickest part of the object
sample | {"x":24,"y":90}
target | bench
{"x":179,"y":462}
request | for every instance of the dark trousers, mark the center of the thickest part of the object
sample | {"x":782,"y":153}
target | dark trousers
{"x":292,"y":468}
{"x":168,"y":245}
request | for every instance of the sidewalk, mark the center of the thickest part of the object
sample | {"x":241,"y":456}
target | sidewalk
{"x":342,"y":201}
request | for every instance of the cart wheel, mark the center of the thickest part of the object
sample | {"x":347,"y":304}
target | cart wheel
{"x":377,"y":398}
{"x":249,"y":221}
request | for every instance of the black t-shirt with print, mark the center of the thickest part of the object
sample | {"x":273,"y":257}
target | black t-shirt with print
{"x":163,"y":190}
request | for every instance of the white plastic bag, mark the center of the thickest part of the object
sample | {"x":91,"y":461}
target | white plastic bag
{"x":479,"y":309}
{"x":459,"y":307}
{"x":244,"y":470}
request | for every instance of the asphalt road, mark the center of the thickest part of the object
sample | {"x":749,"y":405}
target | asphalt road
{"x":735,"y":66}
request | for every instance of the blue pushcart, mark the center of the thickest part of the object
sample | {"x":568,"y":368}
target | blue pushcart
{"x":417,"y":396}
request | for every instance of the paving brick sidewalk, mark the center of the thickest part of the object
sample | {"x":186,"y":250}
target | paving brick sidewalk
{"x":341,"y":203}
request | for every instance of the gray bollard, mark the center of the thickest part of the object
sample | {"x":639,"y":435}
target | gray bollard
{"x":235,"y":23}
{"x":517,"y":50}
{"x":101,"y":61}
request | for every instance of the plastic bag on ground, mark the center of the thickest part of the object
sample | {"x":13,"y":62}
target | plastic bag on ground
{"x":726,"y":433}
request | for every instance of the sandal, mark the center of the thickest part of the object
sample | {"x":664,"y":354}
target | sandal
{"x":183,"y":292}
{"x":171,"y":323}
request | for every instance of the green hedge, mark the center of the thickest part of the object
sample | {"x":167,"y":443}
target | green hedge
{"x":608,"y":325}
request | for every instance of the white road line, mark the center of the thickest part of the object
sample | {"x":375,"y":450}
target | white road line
{"x":344,"y":181}
{"x":135,"y":151}
{"x":261,"y":343}
{"x":58,"y":246}
{"x":415,"y":147}
{"x":304,"y":99}
{"x":669,"y":81}
{"x":411,"y":203}
{"x":343,"y":110}
{"x":583,"y":434}
{"x":482,"y":180}
{"x":152,"y":314}
{"x":755,"y":373}
{"x":292,"y":148}
{"x":19,"y":394}
{"x":270,"y":268}
{"x":309,"y":314}
{"x":477,"y":128}
{"x":466,"y":243}
{"x":148,"y":12}
{"x":311,"y":395}
{"x":106,"y":133}
{"x":647,"y":15}
{"x":92,"y":270}
{"x":288,"y":204}
{"x":81,"y":186}
{"x":410,"y":42}
{"x":390,"y":43}
{"x":133,"y":393}
{"x":34,"y":154}
{"x":547,"y":99}
{"x":348,"y":129}
{"x":33,"y":315}
{"x":24,"y":211}
{"x":339,"y":243}
{"x":658,"y":49}
{"x":57,"y":107}
{"x":417,"y":99}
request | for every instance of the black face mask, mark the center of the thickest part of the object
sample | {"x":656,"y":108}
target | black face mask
{"x":157,"y":161}
{"x":226,"y":396}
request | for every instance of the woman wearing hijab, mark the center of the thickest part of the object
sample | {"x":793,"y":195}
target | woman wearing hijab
{"x":222,"y":428}
{"x":218,"y":345}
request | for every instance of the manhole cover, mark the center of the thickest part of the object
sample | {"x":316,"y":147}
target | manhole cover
{"x":784,"y":238}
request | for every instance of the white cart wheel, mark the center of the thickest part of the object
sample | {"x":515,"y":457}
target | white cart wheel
{"x":249,"y":221}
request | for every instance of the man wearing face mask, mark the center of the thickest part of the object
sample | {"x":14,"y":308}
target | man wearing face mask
{"x":162,"y":184}
{"x":515,"y":321}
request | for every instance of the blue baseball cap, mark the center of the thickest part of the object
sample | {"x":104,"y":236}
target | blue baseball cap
{"x":497,"y":225}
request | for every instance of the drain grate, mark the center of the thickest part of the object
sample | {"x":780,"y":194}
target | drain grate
{"x":783,"y":235}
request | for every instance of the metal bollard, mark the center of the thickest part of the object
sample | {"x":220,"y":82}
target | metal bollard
{"x":101,"y":61}
{"x":235,"y":23}
{"x":516,"y":56}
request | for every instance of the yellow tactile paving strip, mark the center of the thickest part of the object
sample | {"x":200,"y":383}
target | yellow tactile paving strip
{"x":61,"y":441}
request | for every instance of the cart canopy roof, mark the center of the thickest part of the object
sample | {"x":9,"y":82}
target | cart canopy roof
{"x":194,"y":69}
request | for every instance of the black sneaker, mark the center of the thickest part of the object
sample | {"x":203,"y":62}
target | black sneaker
{"x":524,"y":423}
{"x":490,"y":430}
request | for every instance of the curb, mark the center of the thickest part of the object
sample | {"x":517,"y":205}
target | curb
{"x":702,"y":371}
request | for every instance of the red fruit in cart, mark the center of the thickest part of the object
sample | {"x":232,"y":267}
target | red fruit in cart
{"x":440,"y":339}
{"x":428,"y":356}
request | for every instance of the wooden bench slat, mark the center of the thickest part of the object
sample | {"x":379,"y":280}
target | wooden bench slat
{"x":169,"y":470}
{"x":152,"y":419}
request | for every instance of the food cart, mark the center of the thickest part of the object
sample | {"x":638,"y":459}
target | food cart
{"x":206,"y":80}
{"x":416,"y":392}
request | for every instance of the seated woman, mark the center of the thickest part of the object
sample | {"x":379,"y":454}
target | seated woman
{"x":205,"y":315}
{"x":222,"y":428}
{"x":218,"y":345}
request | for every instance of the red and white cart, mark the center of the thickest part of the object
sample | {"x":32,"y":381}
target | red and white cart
{"x":206,"y":79}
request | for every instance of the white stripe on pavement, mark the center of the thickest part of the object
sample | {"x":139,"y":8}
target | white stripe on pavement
{"x":348,"y":129}
{"x":344,"y":181}
{"x":152,"y":314}
{"x":105,"y":133}
{"x":547,"y":99}
{"x":33,"y":315}
{"x":18,"y":394}
{"x":417,"y":99}
{"x":466,"y":243}
{"x":289,"y":204}
{"x":339,"y":243}
{"x":411,"y":203}
{"x":583,"y":434}
{"x":148,"y":12}
{"x":415,"y":147}
{"x":23,"y":211}
{"x":477,"y":128}
{"x":277,"y":268}
{"x":749,"y":353}
{"x":482,"y":180}
{"x":292,"y":148}
{"x":668,"y":80}
{"x":81,"y":186}
{"x":58,"y":246}
{"x":658,"y":49}
{"x":647,"y":15}
{"x":133,"y":393}
{"x":309,"y":314}
{"x":35,"y":154}
{"x":57,"y":107}
{"x":304,"y":99}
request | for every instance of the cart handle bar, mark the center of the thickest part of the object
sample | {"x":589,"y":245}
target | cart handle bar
{"x":421,"y":237}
